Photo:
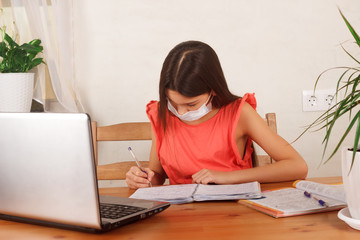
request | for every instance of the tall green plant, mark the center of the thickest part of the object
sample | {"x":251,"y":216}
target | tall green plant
{"x":19,"y":58}
{"x":348,"y":85}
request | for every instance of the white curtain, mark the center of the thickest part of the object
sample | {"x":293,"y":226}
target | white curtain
{"x":52,"y":22}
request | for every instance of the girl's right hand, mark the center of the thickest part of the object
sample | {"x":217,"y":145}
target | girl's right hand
{"x":135,"y":178}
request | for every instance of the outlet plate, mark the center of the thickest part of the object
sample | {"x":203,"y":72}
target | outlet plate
{"x":321,"y":101}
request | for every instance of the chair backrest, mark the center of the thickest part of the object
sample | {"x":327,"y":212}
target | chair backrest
{"x":118,"y":132}
{"x":142,"y":131}
{"x":261,"y":160}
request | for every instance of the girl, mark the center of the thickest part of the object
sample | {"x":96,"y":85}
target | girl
{"x":202,"y":133}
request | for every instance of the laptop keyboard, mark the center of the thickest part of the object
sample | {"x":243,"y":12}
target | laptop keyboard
{"x":114,"y":211}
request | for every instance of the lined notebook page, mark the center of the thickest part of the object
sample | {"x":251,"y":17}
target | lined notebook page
{"x":166,"y":192}
{"x":234,"y":189}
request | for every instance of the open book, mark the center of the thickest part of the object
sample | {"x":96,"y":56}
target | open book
{"x":185,"y":193}
{"x":289,"y":201}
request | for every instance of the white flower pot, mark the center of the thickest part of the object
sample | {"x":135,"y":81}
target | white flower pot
{"x":16,"y":92}
{"x":351,"y":181}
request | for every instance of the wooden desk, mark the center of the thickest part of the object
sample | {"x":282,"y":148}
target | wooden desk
{"x":204,"y":220}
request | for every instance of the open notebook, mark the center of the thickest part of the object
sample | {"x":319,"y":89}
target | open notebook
{"x":185,"y":193}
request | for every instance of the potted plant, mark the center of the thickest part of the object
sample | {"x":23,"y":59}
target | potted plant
{"x":348,"y":98}
{"x":16,"y":82}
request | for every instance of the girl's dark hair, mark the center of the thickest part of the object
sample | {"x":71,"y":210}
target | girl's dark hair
{"x":192,"y":68}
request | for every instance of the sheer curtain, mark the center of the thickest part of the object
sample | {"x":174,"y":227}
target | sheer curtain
{"x":52,"y":22}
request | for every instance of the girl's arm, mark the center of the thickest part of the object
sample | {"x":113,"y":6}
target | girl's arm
{"x":289,"y":165}
{"x":155,"y":165}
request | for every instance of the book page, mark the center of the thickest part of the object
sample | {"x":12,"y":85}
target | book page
{"x":332,"y":191}
{"x":173,"y":193}
{"x":292,"y":201}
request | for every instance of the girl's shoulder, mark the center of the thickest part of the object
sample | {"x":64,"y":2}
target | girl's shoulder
{"x":152,"y":108}
{"x":250,"y":99}
{"x":246,"y":108}
{"x":237,"y":105}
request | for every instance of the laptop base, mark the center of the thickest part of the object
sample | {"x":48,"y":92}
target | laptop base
{"x":107,"y":226}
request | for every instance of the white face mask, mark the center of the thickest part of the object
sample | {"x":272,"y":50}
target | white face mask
{"x":192,"y":115}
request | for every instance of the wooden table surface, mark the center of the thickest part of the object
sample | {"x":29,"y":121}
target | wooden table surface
{"x":203,"y":220}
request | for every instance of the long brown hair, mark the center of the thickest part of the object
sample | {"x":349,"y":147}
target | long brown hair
{"x":192,"y":68}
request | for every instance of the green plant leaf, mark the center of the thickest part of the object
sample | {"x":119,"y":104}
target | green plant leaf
{"x":355,"y":119}
{"x":10,"y":41}
{"x":350,"y":55}
{"x":356,"y":144}
{"x":35,"y":42}
{"x":355,"y":35}
{"x":17,"y":58}
{"x":36,"y":62}
{"x":31,"y":49}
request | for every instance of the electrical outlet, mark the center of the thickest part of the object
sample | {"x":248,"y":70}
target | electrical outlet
{"x":321,"y":101}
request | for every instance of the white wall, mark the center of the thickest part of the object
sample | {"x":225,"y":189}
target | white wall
{"x":275,"y":48}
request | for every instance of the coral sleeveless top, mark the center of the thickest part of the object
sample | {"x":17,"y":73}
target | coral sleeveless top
{"x":186,"y":149}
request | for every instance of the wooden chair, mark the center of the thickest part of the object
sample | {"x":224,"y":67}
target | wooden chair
{"x":261,"y":160}
{"x":142,"y":131}
{"x":118,"y":132}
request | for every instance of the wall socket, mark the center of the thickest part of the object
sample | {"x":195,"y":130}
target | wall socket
{"x":321,"y":101}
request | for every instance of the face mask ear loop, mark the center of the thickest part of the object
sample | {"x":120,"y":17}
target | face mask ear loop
{"x":211,"y":97}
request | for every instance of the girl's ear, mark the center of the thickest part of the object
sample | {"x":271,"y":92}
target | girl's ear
{"x":213,"y":93}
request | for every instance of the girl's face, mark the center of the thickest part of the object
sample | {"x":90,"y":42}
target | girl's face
{"x":184,"y":104}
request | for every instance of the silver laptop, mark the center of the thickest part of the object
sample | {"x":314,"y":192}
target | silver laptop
{"x":48,"y":175}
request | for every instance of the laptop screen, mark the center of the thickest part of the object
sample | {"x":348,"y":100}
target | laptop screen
{"x":47,"y":168}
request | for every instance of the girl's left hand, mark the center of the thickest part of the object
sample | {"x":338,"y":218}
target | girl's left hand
{"x":206,"y":176}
